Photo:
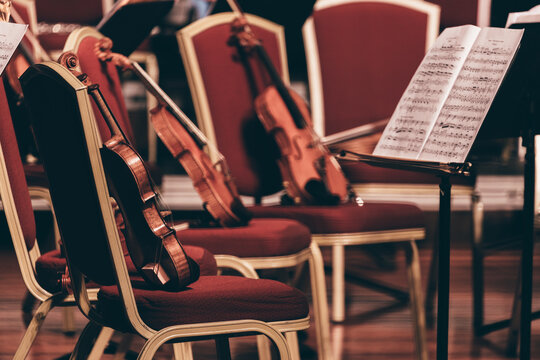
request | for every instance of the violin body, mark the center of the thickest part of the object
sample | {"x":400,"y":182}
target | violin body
{"x":152,"y":244}
{"x":310,"y":174}
{"x":217,"y":190}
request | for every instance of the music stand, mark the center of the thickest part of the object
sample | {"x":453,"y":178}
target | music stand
{"x":130,"y":21}
{"x":444,"y":171}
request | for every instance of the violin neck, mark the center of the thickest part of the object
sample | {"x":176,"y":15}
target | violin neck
{"x":282,"y":89}
{"x":106,"y":112}
{"x":165,"y":100}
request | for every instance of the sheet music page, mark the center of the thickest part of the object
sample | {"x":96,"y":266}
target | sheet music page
{"x":424,"y":97}
{"x":471,"y":96}
{"x":10,"y":37}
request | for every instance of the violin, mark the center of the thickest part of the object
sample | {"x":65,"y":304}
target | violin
{"x":311,"y":175}
{"x":186,"y":143}
{"x":152,"y":243}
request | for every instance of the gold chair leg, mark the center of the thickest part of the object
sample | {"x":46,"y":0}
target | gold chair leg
{"x":292,"y":342}
{"x":101,"y":343}
{"x":263,"y":348}
{"x":68,"y":320}
{"x":84,"y":345}
{"x":416,"y":303}
{"x":34,"y":326}
{"x":338,"y":334}
{"x":183,"y":351}
{"x":338,"y":283}
{"x":320,"y":302}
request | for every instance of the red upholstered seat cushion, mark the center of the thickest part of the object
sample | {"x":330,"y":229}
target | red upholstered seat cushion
{"x":261,"y":237}
{"x":347,"y":218}
{"x":52,"y":264}
{"x":358,"y":172}
{"x":209,"y":299}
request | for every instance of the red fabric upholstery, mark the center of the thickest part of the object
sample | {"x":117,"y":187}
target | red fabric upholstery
{"x":261,"y":238}
{"x":363,"y":173}
{"x":87,"y":12}
{"x":457,"y":12}
{"x":211,"y":298}
{"x":52,"y":264}
{"x":49,"y":268}
{"x":368,"y":53}
{"x":231,"y":91}
{"x":15,"y":170}
{"x":347,"y":218}
{"x":106,"y":75}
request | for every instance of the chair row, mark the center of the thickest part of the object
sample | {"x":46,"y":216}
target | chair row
{"x":223,"y":90}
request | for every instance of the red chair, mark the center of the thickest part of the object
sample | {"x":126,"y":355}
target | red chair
{"x":223,"y":86}
{"x":263,"y":243}
{"x":212,"y":307}
{"x":42,"y":273}
{"x":361,"y":55}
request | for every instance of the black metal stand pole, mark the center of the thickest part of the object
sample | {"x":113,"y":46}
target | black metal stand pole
{"x":443,"y":283}
{"x":528,"y":243}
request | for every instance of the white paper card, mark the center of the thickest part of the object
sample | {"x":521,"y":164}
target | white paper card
{"x":10,"y":37}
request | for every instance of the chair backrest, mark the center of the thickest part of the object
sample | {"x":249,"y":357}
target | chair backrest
{"x":56,"y":115}
{"x":15,"y":197}
{"x":361,"y":55}
{"x":462,"y":12}
{"x":13,"y":179}
{"x":224,"y":85}
{"x":86,"y":12}
{"x":69,"y":143}
{"x":82,"y":42}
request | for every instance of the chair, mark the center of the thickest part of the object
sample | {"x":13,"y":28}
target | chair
{"x":42,"y":272}
{"x":223,"y":92}
{"x":212,"y":307}
{"x":263,"y":243}
{"x":350,"y":90}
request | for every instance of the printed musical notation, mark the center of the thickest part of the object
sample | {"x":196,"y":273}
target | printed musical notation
{"x":10,"y":37}
{"x":441,"y":111}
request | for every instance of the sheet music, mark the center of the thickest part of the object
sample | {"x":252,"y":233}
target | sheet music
{"x":10,"y":37}
{"x":424,"y":97}
{"x":471,"y":96}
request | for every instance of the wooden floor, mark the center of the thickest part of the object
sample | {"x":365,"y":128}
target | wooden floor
{"x":376,"y":327}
